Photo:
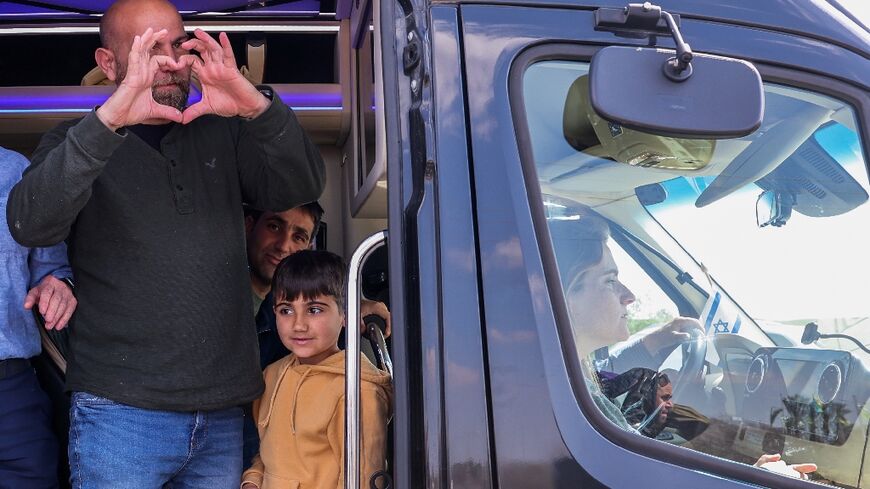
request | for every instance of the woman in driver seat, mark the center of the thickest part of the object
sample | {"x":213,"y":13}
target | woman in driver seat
{"x":597,"y":306}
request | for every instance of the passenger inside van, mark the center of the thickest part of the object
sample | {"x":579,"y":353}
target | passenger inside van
{"x":597,"y":302}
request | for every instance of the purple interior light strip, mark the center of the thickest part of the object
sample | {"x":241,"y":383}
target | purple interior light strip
{"x":297,"y":7}
{"x":51,"y":102}
{"x":42,"y":102}
{"x":102,"y":5}
{"x":71,"y":7}
{"x":12,"y":8}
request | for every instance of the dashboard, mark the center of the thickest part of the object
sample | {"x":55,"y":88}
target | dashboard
{"x":806,"y":394}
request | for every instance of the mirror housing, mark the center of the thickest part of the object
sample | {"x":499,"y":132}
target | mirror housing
{"x":811,"y":334}
{"x":773,"y":208}
{"x":721,"y":97}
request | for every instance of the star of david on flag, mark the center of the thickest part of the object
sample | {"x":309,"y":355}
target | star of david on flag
{"x":720,"y":316}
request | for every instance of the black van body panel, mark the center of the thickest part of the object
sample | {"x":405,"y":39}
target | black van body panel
{"x":801,"y":18}
{"x":540,"y":437}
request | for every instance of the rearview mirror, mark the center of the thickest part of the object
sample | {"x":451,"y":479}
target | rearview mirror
{"x":717,"y":98}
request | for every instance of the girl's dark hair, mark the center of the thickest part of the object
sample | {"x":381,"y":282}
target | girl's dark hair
{"x":310,"y":273}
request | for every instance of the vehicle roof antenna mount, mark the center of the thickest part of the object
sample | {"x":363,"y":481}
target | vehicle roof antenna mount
{"x":639,"y":20}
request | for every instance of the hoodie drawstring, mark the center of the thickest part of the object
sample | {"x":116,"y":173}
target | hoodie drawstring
{"x":295,"y":396}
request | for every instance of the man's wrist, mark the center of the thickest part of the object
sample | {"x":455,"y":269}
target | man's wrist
{"x":263,"y":105}
{"x":264,"y":100}
{"x":69,"y":283}
{"x":107,"y":118}
{"x":267,"y":91}
{"x":113,"y":112}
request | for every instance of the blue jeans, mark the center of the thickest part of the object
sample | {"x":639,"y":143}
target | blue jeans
{"x":113,"y":445}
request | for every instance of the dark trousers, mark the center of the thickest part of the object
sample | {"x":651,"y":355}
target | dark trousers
{"x":250,"y":437}
{"x":28,"y":448}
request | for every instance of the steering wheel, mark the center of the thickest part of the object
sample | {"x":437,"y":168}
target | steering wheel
{"x":692,"y":370}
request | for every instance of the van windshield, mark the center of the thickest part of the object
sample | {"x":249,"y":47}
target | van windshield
{"x":691,"y":269}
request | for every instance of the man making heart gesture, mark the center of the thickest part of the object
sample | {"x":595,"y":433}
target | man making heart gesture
{"x":147,"y":194}
{"x":154,"y":80}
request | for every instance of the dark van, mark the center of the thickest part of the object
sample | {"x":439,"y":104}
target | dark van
{"x":713,"y":156}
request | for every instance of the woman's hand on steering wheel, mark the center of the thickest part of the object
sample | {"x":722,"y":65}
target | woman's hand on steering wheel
{"x":671,"y":334}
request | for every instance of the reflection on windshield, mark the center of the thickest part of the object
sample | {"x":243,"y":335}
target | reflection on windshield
{"x":810,"y":268}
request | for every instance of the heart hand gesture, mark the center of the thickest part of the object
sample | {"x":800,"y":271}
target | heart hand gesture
{"x":133,"y":102}
{"x":225,"y":92}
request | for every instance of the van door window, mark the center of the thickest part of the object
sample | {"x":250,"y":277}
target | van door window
{"x":698,"y":274}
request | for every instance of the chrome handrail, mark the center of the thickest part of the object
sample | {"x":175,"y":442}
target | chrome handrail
{"x":352,"y":362}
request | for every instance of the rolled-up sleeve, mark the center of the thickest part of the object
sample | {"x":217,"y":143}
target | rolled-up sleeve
{"x":50,"y":260}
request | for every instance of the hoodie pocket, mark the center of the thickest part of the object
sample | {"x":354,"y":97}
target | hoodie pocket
{"x":272,"y":481}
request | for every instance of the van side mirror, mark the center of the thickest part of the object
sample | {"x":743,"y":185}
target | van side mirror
{"x":721,"y":98}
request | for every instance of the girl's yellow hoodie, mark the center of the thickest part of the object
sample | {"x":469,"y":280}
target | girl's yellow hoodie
{"x":300,"y":418}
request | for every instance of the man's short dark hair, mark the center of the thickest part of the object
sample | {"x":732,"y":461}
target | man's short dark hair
{"x":313,"y":209}
{"x":309,"y":274}
{"x":316,"y":212}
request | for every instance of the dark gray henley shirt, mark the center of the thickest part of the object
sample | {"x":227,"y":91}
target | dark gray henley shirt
{"x":157,"y":246}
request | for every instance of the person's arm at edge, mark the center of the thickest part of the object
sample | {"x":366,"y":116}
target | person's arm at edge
{"x":279,"y":166}
{"x":368,"y":307}
{"x":43,"y":206}
{"x":50,"y":260}
{"x":54,"y":299}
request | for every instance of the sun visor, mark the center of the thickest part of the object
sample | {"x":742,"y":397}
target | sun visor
{"x":576,"y":125}
{"x":586,"y":131}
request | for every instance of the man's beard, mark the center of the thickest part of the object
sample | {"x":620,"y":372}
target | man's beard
{"x":174,"y":98}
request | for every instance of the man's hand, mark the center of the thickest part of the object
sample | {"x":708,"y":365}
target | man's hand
{"x":55,"y":302}
{"x":249,"y":485}
{"x":132,"y":103}
{"x":671,"y":334}
{"x":225,"y":92}
{"x":800,"y":469}
{"x":367,"y":307}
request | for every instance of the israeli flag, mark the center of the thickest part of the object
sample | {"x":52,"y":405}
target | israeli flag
{"x":720,"y":316}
